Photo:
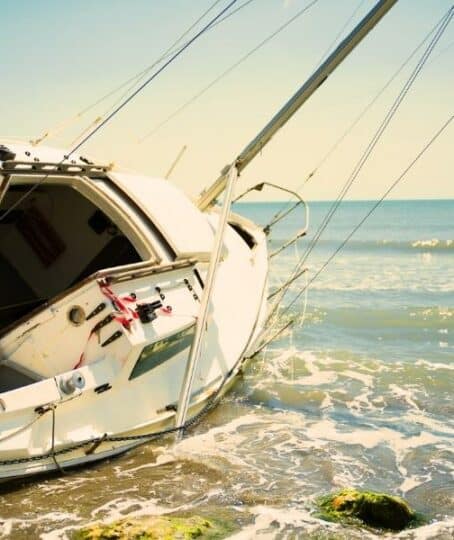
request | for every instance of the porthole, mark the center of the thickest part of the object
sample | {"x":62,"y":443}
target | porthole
{"x":76,"y":315}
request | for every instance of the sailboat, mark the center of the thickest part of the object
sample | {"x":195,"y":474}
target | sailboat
{"x":127,"y":310}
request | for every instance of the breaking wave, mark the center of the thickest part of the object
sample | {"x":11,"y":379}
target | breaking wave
{"x":412,"y":246}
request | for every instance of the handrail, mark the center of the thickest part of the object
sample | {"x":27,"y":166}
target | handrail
{"x":277,"y":218}
{"x":50,"y":168}
{"x":196,"y":346}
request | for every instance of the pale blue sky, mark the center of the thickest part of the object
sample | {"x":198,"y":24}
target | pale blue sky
{"x":59,"y":56}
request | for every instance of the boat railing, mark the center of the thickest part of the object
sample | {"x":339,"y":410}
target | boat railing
{"x":279,"y":216}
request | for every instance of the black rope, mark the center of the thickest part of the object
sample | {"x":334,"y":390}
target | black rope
{"x":123,"y":104}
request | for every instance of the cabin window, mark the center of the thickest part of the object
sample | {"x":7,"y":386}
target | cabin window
{"x":157,"y":353}
{"x":247,"y":237}
{"x":53,"y":240}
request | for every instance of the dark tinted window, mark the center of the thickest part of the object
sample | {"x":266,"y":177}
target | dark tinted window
{"x":51,"y":241}
{"x":157,"y":353}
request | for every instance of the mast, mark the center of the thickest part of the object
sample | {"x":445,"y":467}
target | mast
{"x":208,"y":197}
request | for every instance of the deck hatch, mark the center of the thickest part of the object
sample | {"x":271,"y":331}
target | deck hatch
{"x":159,"y":352}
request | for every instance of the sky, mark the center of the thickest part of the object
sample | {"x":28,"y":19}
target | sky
{"x":60,"y":57}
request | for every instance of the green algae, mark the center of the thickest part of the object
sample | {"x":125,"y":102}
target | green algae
{"x":156,"y":528}
{"x":377,"y":510}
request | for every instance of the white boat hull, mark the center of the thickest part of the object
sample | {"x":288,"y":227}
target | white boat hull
{"x":43,"y":429}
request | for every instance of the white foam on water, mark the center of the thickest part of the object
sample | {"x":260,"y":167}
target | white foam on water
{"x":367,"y":380}
{"x":111,"y":511}
{"x":267,"y":517}
{"x":434,"y":365}
{"x":117,"y":508}
{"x":270,"y":522}
{"x":325,"y":432}
{"x":432,"y":531}
{"x":361,"y":402}
{"x":405,"y":393}
{"x":411,"y":482}
{"x":316,"y":377}
{"x":432,"y":243}
{"x":161,"y":459}
{"x":327,"y":402}
{"x":440,"y":427}
{"x":222,"y":442}
{"x":8,"y":526}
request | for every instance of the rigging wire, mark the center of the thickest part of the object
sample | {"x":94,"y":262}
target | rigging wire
{"x":376,"y":137}
{"x":196,"y":96}
{"x":217,"y":393}
{"x":359,"y":117}
{"x":443,"y":51}
{"x":121,"y":105}
{"x":339,"y":34}
{"x":371,"y":210}
{"x":144,"y":73}
{"x":130,"y":83}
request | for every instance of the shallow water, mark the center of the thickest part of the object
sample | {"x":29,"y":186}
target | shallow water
{"x":361,"y":395}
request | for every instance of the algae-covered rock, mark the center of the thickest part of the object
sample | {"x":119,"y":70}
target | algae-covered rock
{"x":155,"y":528}
{"x":374,"y":509}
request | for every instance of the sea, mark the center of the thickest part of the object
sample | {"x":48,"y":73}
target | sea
{"x":357,"y":392}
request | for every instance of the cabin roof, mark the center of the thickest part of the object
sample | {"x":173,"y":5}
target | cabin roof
{"x":185,"y":228}
{"x":26,"y":152}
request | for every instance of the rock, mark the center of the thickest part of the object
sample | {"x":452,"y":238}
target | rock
{"x":155,"y":528}
{"x":374,"y":509}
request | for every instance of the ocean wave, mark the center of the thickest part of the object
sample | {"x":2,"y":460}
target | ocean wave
{"x":416,"y":245}
{"x":438,"y":318}
{"x":433,"y":243}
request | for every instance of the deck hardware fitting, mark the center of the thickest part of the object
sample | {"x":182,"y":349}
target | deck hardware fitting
{"x":199,"y":278}
{"x":147,"y":312}
{"x":92,"y":448}
{"x":76,"y":381}
{"x":102,"y":323}
{"x":97,"y":310}
{"x":76,"y":315}
{"x":103,"y":388}
{"x":162,"y":296}
{"x":112,"y":338}
{"x":42,"y":409}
